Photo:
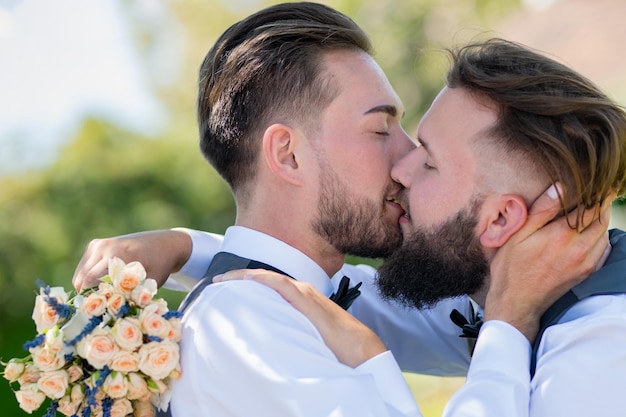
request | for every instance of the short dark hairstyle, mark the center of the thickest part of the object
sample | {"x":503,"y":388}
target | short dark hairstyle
{"x":552,"y":115}
{"x":266,"y":69}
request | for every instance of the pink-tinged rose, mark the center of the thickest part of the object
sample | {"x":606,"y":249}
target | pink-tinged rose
{"x":106,"y":289}
{"x":155,"y":325}
{"x":46,"y":360}
{"x":126,"y":276}
{"x":158,"y":306}
{"x":115,"y":385}
{"x":137,"y":387}
{"x":77,"y":394}
{"x":143,"y":409}
{"x":67,"y":407}
{"x":94,"y":305}
{"x":31,"y":375}
{"x":44,"y":316}
{"x":125,"y":361}
{"x":75,"y":373}
{"x":127,"y":333}
{"x":13,"y":370}
{"x":53,"y":384}
{"x":115,"y":304}
{"x":98,"y":348}
{"x":121,"y":408}
{"x":29,"y":397}
{"x":142,"y":294}
{"x":176,"y":333}
{"x":158,"y":359}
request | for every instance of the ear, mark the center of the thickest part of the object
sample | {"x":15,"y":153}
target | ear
{"x":506,"y":215}
{"x":279,"y":144}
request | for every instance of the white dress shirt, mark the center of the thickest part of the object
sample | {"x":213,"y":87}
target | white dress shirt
{"x":424,"y":342}
{"x":246,"y":352}
{"x":581,"y":362}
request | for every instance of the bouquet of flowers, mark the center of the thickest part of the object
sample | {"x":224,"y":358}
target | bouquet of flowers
{"x":110,"y":351}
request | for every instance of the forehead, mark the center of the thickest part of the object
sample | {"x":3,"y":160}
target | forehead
{"x":454,"y":119}
{"x":360,"y":81}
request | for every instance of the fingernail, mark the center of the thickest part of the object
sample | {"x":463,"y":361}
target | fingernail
{"x":218,"y":277}
{"x":554,"y":191}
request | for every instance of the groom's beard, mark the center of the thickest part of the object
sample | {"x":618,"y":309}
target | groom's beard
{"x":352,"y":224}
{"x":433,"y":265}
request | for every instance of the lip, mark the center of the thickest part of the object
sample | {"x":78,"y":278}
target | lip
{"x":396,"y":208}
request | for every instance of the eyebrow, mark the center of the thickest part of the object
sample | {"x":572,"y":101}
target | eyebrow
{"x":384,"y":108}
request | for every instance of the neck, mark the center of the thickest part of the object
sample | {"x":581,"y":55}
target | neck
{"x":301,"y":238}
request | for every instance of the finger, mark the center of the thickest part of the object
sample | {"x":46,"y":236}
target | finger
{"x":100,"y":269}
{"x":85,"y":264}
{"x":238,"y":274}
{"x":542,"y":211}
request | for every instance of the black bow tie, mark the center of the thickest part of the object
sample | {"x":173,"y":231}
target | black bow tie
{"x":469,"y":328}
{"x":345,"y":295}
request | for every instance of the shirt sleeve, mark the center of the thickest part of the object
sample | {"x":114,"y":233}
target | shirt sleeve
{"x":498,"y":381}
{"x":245,"y":351}
{"x":204,"y":246}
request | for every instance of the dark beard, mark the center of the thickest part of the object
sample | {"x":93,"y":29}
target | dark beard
{"x":353,"y":225}
{"x":433,"y":265}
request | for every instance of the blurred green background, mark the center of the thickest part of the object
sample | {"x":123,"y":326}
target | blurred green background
{"x":105,"y":175}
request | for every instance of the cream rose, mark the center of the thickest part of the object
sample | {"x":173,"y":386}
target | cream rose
{"x":45,"y":316}
{"x":105,"y":289}
{"x":94,"y":305}
{"x":13,"y":370}
{"x":54,"y":340}
{"x":67,"y":407}
{"x":30,"y":375}
{"x":175,"y":334}
{"x":143,"y":409}
{"x":127,"y":333}
{"x":98,"y":348}
{"x":54,"y":383}
{"x":77,"y":394}
{"x":115,"y":304}
{"x":115,"y":385}
{"x":121,"y":408}
{"x":126,"y":276}
{"x":47,"y":360}
{"x":125,"y":361}
{"x":29,"y":397}
{"x":152,"y":321}
{"x":158,"y":359}
{"x":75,"y":373}
{"x":142,"y":294}
{"x":137,"y":387}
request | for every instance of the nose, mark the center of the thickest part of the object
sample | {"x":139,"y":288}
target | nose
{"x":403,"y":170}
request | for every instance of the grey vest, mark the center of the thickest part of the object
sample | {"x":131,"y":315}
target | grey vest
{"x":610,"y":279}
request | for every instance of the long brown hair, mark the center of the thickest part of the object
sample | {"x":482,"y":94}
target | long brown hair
{"x":554,"y":116}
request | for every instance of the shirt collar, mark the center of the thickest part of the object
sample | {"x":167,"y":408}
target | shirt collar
{"x":258,"y":246}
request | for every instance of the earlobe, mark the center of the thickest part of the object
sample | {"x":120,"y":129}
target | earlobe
{"x":509,"y":214}
{"x":279,"y":143}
